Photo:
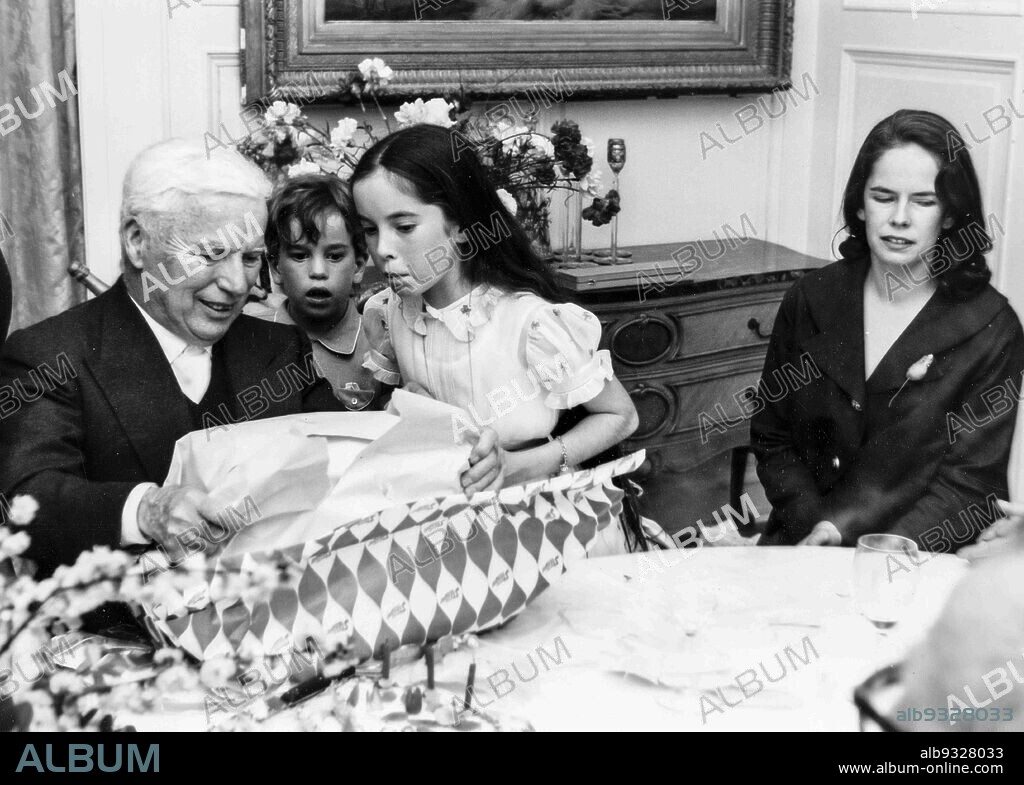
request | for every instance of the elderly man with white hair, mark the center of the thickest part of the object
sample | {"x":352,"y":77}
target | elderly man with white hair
{"x":104,"y":390}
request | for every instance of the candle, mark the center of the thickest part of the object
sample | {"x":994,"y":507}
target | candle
{"x":469,"y":686}
{"x":385,"y":655}
{"x":430,"y":667}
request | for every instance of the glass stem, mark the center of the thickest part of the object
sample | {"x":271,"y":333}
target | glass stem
{"x":615,"y":228}
{"x":579,"y":225}
{"x":567,"y":229}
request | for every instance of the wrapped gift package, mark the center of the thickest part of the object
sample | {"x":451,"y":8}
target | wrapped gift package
{"x":387,"y":569}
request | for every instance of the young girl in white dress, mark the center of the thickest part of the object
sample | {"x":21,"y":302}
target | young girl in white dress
{"x":473,"y":317}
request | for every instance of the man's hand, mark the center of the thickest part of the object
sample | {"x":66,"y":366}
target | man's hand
{"x":1003,"y":536}
{"x":181,"y":521}
{"x":486,"y":470}
{"x":823,"y":533}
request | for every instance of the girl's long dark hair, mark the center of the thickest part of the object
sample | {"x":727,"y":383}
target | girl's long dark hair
{"x":958,"y":260}
{"x":444,"y":170}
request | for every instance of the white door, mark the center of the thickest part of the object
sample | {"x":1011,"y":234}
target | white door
{"x":147,"y":71}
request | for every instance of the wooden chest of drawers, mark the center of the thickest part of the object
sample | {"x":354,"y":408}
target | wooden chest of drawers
{"x":687,"y":325}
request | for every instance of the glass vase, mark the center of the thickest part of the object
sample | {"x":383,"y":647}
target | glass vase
{"x":578,"y":218}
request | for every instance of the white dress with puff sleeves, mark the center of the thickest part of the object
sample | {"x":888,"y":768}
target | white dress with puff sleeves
{"x":512,"y":361}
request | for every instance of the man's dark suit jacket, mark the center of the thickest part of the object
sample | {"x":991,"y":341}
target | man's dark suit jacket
{"x":6,"y":299}
{"x":111,"y":411}
{"x":830,"y":446}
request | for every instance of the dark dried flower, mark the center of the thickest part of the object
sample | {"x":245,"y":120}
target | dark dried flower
{"x":602,"y":210}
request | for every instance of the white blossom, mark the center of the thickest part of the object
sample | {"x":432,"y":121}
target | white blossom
{"x":303,"y":167}
{"x":541,"y":146}
{"x":592,"y":182}
{"x":217,"y":672}
{"x":23,"y":510}
{"x":282,"y":112}
{"x":376,"y":71}
{"x":14,"y":544}
{"x":508,"y":201}
{"x":66,"y":681}
{"x":436,"y":111}
{"x":511,"y":136}
{"x":343,"y":132}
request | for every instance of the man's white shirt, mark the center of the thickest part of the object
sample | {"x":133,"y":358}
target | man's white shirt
{"x":192,"y":366}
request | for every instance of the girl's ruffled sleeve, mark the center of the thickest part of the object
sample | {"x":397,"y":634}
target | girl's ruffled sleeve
{"x":380,"y":359}
{"x":561,"y":351}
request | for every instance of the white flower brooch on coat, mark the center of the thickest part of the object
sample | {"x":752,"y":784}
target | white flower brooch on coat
{"x":915,"y":373}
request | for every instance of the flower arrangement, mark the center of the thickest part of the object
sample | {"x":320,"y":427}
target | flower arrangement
{"x":525,"y":166}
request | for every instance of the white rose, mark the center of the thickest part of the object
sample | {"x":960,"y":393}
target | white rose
{"x":500,"y":127}
{"x":508,"y":200}
{"x":375,"y":69}
{"x":303,"y":167}
{"x":410,"y":113}
{"x":438,"y":111}
{"x":432,"y":112}
{"x":23,"y":510}
{"x":591,"y":182}
{"x":281,"y":111}
{"x":343,"y":132}
{"x":542,"y":146}
{"x":514,"y":136}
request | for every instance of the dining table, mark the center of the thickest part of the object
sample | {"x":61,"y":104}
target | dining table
{"x":703,"y":639}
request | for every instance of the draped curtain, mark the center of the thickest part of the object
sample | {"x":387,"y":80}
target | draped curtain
{"x":41,"y":226}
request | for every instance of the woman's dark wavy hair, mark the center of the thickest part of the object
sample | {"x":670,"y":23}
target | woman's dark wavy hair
{"x":306,"y":199}
{"x":958,"y":260}
{"x":444,"y":170}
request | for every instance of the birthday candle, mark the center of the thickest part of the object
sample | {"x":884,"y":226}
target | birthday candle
{"x":469,"y":686}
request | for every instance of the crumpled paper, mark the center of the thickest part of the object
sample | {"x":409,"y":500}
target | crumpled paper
{"x":288,"y":480}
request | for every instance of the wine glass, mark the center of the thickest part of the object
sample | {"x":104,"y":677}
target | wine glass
{"x":886,"y":575}
{"x":616,"y":162}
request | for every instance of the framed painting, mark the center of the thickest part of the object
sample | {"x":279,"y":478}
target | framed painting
{"x":493,"y":48}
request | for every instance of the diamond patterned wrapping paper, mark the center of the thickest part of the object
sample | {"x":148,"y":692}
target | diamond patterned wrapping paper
{"x":416,"y":572}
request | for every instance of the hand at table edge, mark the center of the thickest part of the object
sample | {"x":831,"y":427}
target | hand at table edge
{"x":824,"y":533}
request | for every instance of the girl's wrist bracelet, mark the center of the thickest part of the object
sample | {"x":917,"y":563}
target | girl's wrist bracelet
{"x":563,"y":467}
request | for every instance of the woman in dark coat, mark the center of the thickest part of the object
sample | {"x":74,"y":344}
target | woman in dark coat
{"x":890,"y":388}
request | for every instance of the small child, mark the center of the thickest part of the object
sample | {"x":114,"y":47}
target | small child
{"x":317,"y":253}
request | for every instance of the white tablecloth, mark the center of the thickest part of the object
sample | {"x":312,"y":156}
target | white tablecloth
{"x":709,"y":639}
{"x":784,"y":613}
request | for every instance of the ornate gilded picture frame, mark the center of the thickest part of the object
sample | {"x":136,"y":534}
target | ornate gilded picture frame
{"x":586,"y":48}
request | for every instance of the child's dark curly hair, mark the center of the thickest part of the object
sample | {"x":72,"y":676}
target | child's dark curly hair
{"x":306,"y":198}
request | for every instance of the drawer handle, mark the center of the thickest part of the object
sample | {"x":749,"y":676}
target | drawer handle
{"x":755,"y":327}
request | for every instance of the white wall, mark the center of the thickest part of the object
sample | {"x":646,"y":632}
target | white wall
{"x":145,"y":75}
